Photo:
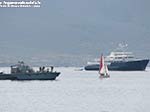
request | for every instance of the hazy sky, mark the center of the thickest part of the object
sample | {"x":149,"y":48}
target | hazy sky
{"x":75,"y":27}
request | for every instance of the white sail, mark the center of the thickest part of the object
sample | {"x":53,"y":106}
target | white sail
{"x":102,"y":71}
{"x":106,"y":70}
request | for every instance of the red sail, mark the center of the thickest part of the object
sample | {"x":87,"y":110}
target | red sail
{"x":101,"y":62}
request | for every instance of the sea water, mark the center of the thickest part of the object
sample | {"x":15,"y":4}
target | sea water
{"x":78,"y":91}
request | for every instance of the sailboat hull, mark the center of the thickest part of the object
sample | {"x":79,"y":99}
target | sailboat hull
{"x":104,"y":76}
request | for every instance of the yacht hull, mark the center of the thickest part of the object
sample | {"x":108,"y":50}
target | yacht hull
{"x":139,"y":65}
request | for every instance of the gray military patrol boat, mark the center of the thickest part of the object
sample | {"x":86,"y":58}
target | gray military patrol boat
{"x":21,"y":71}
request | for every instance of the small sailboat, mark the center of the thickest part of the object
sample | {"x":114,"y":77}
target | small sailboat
{"x":103,"y":70}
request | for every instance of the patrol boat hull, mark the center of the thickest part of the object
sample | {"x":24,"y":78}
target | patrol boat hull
{"x":6,"y":77}
{"x":35,"y":76}
{"x":139,"y":65}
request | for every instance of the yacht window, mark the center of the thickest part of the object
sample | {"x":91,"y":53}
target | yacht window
{"x":130,"y":57}
{"x":118,"y":57}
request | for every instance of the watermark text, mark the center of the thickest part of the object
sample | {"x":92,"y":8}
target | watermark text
{"x":26,"y":4}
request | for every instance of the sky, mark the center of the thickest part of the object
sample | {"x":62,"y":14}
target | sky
{"x":64,"y":32}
